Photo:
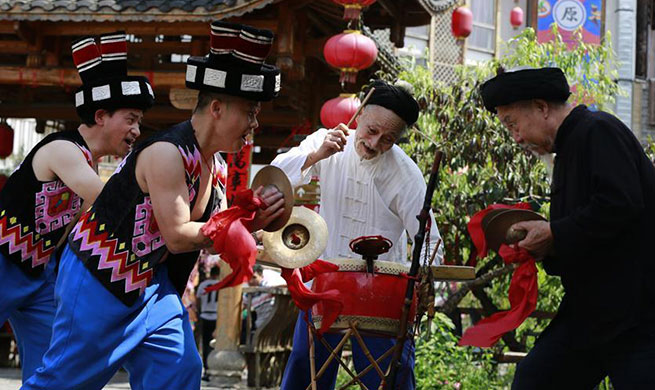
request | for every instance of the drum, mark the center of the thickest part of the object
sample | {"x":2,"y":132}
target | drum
{"x":375,"y":300}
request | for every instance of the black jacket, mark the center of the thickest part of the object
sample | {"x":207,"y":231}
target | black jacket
{"x":603,"y":223}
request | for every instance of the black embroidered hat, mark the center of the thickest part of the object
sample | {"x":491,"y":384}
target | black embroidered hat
{"x":524,"y":84}
{"x":235,"y":65}
{"x":105,"y":83}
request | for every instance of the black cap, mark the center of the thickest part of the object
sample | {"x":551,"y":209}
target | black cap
{"x":513,"y":86}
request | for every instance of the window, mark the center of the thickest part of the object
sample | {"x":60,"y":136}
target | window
{"x":483,"y":36}
{"x":416,"y":43}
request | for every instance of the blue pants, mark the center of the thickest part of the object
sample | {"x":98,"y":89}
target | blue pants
{"x":94,"y":334}
{"x":297,"y":372}
{"x":29,"y":305}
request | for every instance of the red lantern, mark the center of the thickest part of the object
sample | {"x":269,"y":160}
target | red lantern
{"x":339,"y":110}
{"x":353,"y":8}
{"x":516,"y":17}
{"x":351,"y":52}
{"x":6,"y":140}
{"x":3,"y":180}
{"x":462,"y":22}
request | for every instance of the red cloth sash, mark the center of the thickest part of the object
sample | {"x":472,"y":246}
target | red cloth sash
{"x":230,"y":234}
{"x":523,"y":288}
{"x":304,"y":298}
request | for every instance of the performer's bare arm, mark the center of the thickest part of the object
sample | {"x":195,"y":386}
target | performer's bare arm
{"x":160,"y":173}
{"x":335,"y":141}
{"x":64,"y":160}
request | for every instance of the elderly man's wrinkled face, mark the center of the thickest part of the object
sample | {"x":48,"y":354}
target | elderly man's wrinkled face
{"x":527,"y":125}
{"x":378,"y":129}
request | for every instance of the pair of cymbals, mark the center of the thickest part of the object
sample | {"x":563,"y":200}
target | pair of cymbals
{"x":300,"y":241}
{"x":497,"y":224}
{"x":299,"y":235}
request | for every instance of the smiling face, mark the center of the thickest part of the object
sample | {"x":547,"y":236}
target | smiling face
{"x":378,"y":129}
{"x":122,"y":129}
{"x":528,"y":126}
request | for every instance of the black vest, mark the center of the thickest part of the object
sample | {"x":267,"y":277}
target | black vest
{"x":34,"y":214}
{"x":118,"y":238}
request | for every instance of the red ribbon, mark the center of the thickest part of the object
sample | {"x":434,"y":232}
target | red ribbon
{"x":232,"y":239}
{"x":304,"y":298}
{"x":230,"y":234}
{"x":523,"y":288}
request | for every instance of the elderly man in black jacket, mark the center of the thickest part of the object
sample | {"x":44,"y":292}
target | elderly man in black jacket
{"x":598,"y":239}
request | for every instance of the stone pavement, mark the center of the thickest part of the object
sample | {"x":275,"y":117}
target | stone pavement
{"x":10,"y":380}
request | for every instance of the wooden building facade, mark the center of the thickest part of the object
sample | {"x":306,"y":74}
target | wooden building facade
{"x":38,"y":78}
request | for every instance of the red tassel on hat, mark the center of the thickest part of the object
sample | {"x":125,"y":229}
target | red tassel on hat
{"x":114,"y":54}
{"x":86,"y":57}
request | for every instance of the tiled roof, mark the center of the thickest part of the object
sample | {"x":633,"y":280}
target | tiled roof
{"x":437,"y":6}
{"x":126,"y":10}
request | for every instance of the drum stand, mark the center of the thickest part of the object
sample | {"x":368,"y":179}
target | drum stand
{"x":334,"y":355}
{"x":369,"y":247}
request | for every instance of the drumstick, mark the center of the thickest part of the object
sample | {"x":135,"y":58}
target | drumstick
{"x":359,"y":109}
{"x":434,"y":252}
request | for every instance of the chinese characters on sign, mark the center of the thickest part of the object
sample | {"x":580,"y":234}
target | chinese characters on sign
{"x":570,"y":15}
{"x":238,"y":171}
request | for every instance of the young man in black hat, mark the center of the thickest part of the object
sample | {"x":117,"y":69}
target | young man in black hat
{"x":129,"y":257}
{"x":369,"y":187}
{"x":598,"y":239}
{"x":44,"y":194}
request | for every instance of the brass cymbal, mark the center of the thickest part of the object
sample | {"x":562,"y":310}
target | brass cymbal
{"x":300,"y":241}
{"x":498,"y":230}
{"x":273,"y":176}
{"x":489,"y":215}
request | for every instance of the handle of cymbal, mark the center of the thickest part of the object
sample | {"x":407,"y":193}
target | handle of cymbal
{"x":515,"y":235}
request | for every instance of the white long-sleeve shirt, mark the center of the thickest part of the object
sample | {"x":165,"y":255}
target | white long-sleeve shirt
{"x":381,"y":196}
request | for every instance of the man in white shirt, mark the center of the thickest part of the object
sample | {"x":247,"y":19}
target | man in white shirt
{"x":369,"y":186}
{"x":208,"y":303}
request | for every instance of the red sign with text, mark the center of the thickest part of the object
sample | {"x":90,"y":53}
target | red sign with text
{"x":238,"y":171}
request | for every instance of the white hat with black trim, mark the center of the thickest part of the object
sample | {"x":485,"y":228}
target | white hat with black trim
{"x":235,"y":65}
{"x":105,"y":83}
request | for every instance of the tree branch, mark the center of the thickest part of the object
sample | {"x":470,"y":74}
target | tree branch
{"x":455,"y":298}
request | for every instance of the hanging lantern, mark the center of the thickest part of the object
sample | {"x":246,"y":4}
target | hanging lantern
{"x":462,"y":22}
{"x":351,"y":52}
{"x":339,"y":110}
{"x":6,"y":140}
{"x":516,"y":17}
{"x":353,"y":8}
{"x":3,"y":180}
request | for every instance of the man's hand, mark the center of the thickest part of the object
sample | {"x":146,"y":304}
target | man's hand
{"x":273,"y":207}
{"x":334,"y":142}
{"x":539,"y":238}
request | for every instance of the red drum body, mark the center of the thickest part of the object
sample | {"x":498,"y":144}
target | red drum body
{"x":375,"y":301}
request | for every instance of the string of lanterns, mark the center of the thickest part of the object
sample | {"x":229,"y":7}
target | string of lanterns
{"x":462,"y":21}
{"x":350,"y":52}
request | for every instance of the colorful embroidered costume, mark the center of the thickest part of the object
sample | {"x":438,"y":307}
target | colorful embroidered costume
{"x":119,"y":287}
{"x":33,"y":217}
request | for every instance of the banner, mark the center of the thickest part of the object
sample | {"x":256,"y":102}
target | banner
{"x":569,"y":16}
{"x":238,"y":171}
